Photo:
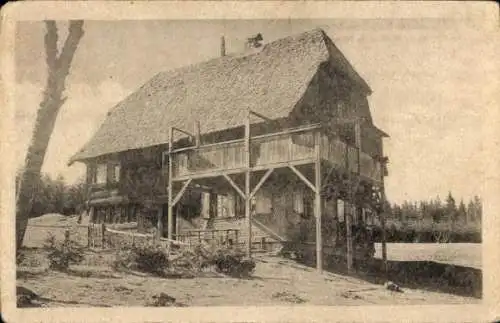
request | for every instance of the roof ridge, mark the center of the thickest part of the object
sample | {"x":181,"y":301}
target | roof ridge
{"x":245,"y":53}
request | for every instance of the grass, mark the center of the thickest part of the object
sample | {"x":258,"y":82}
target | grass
{"x":461,"y":254}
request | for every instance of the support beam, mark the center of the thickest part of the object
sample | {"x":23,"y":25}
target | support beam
{"x":233,"y":184}
{"x":384,"y":236}
{"x":181,"y":192}
{"x":183,"y":131}
{"x":304,"y":179}
{"x":261,"y":182}
{"x":247,"y":186}
{"x":258,"y":115}
{"x":170,"y":214}
{"x":318,"y":206}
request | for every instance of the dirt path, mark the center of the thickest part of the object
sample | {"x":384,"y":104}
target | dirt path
{"x":276,"y":281}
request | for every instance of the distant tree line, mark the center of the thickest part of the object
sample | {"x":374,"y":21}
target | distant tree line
{"x":56,"y":196}
{"x":435,"y":220}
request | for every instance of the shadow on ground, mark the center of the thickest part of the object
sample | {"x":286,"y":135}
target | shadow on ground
{"x":424,"y":275}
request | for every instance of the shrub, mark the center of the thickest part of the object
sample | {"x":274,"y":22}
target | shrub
{"x":63,"y":254}
{"x":232,"y":262}
{"x":148,"y":259}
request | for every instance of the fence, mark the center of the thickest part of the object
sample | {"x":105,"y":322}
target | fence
{"x":100,"y":236}
{"x":96,"y":235}
{"x":214,"y":236}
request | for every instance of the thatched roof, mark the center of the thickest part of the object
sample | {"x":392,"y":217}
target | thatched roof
{"x":217,"y":93}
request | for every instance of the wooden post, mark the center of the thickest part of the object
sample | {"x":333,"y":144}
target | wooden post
{"x":88,"y":235}
{"x":177,"y":222}
{"x":357,"y":130}
{"x":347,"y":214}
{"x":348,"y":224}
{"x":247,"y":186}
{"x":103,"y":229}
{"x":382,"y":224}
{"x":159,"y":222}
{"x":170,"y":214}
{"x":317,"y":209}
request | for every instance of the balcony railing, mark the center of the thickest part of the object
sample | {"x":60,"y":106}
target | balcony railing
{"x":291,"y":146}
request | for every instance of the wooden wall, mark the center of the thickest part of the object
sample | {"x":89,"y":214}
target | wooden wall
{"x":330,"y":97}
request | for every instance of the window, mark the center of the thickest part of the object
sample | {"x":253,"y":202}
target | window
{"x":101,"y":172}
{"x":263,"y":203}
{"x":340,"y":210}
{"x":303,"y":202}
{"x":308,"y":205}
{"x":298,"y":201}
{"x":239,"y":206}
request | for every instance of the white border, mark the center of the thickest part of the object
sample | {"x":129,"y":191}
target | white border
{"x":479,"y":14}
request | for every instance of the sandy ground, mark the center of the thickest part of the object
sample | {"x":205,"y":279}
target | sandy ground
{"x":99,"y":286}
{"x":276,"y":281}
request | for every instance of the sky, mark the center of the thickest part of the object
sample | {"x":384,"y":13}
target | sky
{"x":432,"y":81}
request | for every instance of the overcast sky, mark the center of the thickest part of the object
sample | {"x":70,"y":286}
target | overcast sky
{"x":431,"y":81}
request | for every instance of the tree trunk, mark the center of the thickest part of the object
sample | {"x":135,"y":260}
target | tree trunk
{"x":58,"y":69}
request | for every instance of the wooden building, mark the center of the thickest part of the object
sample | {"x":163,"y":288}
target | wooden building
{"x":267,"y":142}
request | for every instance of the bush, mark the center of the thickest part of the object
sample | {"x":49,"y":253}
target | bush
{"x":233,"y":263}
{"x":148,"y":259}
{"x":63,"y":254}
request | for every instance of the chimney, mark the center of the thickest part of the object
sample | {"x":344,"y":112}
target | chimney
{"x":222,"y":46}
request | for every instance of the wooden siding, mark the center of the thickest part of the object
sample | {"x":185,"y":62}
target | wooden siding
{"x":227,"y":156}
{"x":269,"y":150}
{"x":213,"y":157}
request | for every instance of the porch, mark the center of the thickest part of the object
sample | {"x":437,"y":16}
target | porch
{"x":310,"y":152}
{"x":296,"y":146}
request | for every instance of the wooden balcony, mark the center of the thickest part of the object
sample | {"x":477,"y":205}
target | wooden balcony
{"x":293,"y":146}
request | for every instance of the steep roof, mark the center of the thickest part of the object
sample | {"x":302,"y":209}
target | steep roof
{"x":218,"y":93}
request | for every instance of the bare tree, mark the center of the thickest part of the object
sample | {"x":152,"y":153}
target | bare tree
{"x":58,"y":69}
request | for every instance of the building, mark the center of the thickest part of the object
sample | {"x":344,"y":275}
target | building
{"x":266,"y":142}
